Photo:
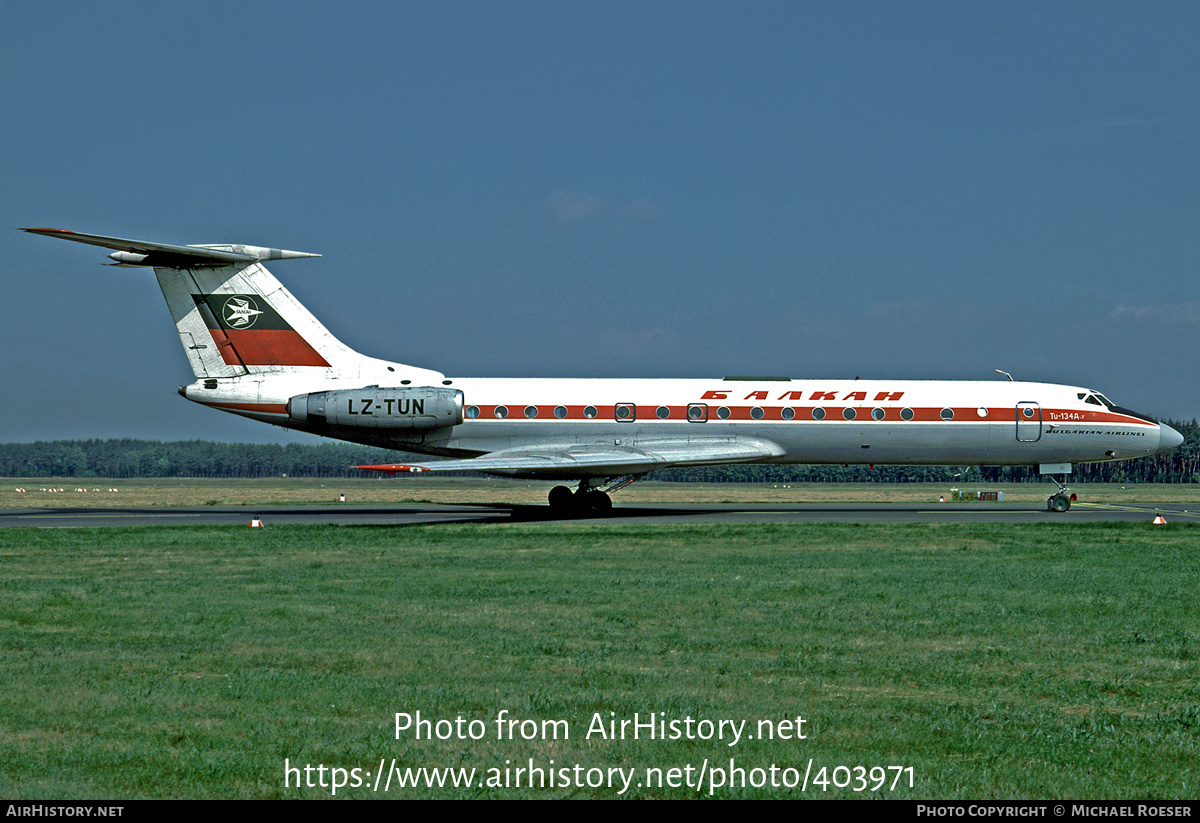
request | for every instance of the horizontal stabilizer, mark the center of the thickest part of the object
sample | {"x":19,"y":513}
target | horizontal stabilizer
{"x":164,"y":255}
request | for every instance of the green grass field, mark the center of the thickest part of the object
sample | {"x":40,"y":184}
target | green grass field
{"x":72,"y":492}
{"x":1049,"y":661}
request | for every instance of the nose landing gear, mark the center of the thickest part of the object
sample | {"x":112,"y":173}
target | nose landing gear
{"x":1061,"y":500}
{"x":1058,"y":502}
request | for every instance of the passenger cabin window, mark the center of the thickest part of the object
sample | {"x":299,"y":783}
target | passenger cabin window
{"x":531,"y":412}
{"x":502,"y":411}
{"x":723,"y":413}
{"x":560,"y":412}
{"x":472,"y":412}
{"x":662,"y":412}
{"x":590,"y":412}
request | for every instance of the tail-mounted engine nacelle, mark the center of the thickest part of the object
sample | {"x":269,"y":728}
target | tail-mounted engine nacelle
{"x":410,"y":407}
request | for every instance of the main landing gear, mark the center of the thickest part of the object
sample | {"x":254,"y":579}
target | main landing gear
{"x":1061,"y":500}
{"x":583,"y":502}
{"x":590,"y":499}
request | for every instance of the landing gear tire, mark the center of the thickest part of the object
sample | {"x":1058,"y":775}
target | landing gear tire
{"x":579,"y":504}
{"x":596,"y":502}
{"x":561,"y":499}
{"x":1058,"y":503}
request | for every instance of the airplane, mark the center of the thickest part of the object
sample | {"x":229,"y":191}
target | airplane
{"x":257,"y":352}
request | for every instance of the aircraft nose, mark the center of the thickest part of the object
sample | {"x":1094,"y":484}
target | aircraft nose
{"x":1168,"y":438}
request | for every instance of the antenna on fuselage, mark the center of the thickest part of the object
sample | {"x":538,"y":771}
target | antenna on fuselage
{"x":1006,"y":374}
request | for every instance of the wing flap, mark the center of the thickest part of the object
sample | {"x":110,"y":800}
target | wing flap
{"x":573,"y":462}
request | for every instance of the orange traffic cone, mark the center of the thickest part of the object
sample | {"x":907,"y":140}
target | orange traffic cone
{"x":1159,"y":520}
{"x":256,"y":523}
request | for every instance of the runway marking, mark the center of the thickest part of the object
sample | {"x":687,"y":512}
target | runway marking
{"x":1147,"y":510}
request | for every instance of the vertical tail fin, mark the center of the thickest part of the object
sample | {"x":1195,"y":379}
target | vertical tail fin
{"x":238,"y":320}
{"x":234,"y":317}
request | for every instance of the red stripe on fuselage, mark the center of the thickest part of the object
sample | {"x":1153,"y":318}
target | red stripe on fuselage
{"x":833,"y":414}
{"x":261,"y":408}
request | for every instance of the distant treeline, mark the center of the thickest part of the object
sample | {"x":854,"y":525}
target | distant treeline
{"x":187,"y":458}
{"x":202,"y":458}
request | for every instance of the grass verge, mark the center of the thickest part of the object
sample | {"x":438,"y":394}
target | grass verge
{"x":1048,"y":661}
{"x":60,"y":492}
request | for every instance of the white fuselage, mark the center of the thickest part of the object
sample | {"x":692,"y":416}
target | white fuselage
{"x":256,"y":351}
{"x":813,"y":421}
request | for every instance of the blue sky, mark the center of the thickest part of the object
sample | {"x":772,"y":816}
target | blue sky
{"x":654,"y":189}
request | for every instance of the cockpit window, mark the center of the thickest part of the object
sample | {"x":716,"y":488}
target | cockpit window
{"x":1104,"y":400}
{"x":1091,"y":398}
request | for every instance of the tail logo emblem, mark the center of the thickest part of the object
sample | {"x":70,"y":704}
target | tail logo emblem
{"x":240,"y":312}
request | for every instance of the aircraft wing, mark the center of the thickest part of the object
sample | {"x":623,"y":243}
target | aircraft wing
{"x":577,"y":461}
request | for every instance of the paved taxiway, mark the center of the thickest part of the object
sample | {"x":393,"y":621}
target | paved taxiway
{"x":419,"y":513}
